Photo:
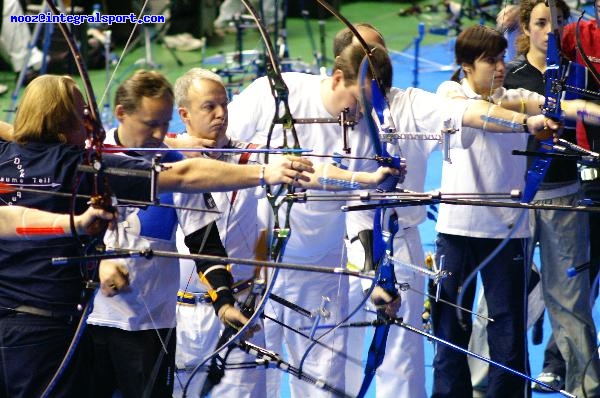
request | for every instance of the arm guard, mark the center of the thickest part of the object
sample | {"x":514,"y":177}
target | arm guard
{"x":207,"y":241}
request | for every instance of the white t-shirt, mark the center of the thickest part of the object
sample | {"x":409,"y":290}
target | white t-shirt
{"x":419,"y":111}
{"x":317,"y":226}
{"x":149,"y":302}
{"x":238,"y":226}
{"x":484,"y":165}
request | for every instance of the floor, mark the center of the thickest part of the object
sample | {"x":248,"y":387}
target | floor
{"x":426,"y":68}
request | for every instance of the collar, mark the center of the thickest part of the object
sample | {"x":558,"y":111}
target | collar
{"x":471,"y":94}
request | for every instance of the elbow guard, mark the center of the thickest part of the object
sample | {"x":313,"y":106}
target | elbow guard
{"x":365,"y":237}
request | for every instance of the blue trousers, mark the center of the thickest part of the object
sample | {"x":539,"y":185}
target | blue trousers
{"x":504,"y":281}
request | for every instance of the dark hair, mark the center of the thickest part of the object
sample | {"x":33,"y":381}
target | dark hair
{"x":351,"y":57}
{"x":344,"y":37}
{"x":522,"y":42}
{"x":475,"y":42}
{"x":142,"y":84}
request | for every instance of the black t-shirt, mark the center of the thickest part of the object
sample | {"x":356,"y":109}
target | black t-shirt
{"x":27,"y":276}
{"x":521,"y":74}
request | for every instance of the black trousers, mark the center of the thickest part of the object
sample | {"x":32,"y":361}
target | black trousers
{"x":31,"y":350}
{"x":132,"y":362}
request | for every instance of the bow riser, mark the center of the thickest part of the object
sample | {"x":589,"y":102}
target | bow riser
{"x":555,"y":71}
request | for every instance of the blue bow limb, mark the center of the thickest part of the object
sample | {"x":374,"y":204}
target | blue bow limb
{"x":374,"y":99}
{"x":552,"y":109}
{"x":386,"y":279}
{"x":382,"y":239}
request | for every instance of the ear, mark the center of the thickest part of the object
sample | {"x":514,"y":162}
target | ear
{"x":525,"y":29}
{"x":119,"y":113}
{"x":466,"y":67}
{"x":183,"y":114}
{"x":337,"y":78}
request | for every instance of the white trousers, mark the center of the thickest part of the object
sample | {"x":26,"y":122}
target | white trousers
{"x":402,"y":373}
{"x":198,"y":330}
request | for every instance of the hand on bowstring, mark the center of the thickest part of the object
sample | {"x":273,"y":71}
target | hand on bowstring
{"x":114,"y":277}
{"x":385,"y":303}
{"x":233,"y":317}
{"x":287,"y":169}
{"x":93,"y":221}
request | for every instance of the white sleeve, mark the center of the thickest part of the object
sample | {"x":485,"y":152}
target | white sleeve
{"x":434,"y":112}
{"x":191,"y":220}
{"x":251,"y":113}
{"x":456,"y":103}
{"x":450,"y":89}
{"x":523,"y":94}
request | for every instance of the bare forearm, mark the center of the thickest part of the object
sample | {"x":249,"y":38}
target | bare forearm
{"x":18,"y":222}
{"x":572,"y":107}
{"x":324,"y":172}
{"x":208,"y":175}
{"x":477,"y":110}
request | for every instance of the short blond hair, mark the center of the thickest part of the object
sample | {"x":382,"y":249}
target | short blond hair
{"x":183,"y":84}
{"x":47,"y":111}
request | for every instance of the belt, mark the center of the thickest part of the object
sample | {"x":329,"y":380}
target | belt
{"x":188,"y":298}
{"x":589,"y":174}
{"x":62,"y":316}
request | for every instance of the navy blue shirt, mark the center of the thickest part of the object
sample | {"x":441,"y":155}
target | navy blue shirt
{"x":27,"y":276}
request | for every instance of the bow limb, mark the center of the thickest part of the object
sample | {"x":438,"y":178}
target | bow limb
{"x":382,"y":238}
{"x":92,"y":122}
{"x":279,"y":91}
{"x":282,"y":116}
{"x":96,"y":136}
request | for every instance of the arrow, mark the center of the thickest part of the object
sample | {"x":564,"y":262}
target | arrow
{"x":215,"y":150}
{"x":51,"y":185}
{"x":8,"y":188}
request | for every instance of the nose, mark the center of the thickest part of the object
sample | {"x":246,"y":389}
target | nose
{"x":221,"y":112}
{"x":160,"y":131}
{"x":500,"y":66}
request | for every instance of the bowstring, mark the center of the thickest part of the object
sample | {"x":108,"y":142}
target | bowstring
{"x":125,"y":49}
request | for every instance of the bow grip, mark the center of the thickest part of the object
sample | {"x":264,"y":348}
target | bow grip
{"x":387,"y":278}
{"x":385,"y":269}
{"x":537,"y":171}
{"x":390,"y":182}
